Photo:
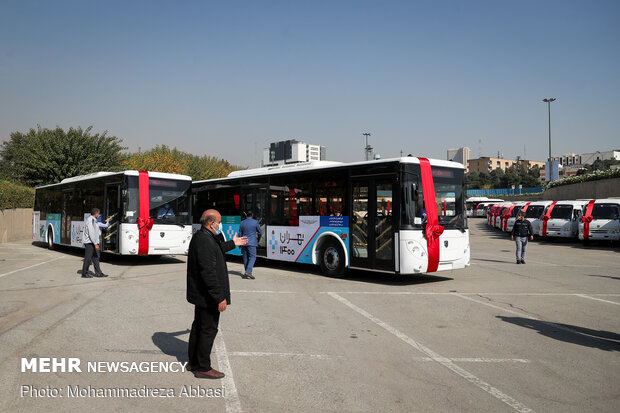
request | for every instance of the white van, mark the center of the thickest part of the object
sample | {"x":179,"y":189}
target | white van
{"x":480,"y":208}
{"x":604,"y":223}
{"x":563,"y":220}
{"x":510,"y":221}
{"x":534,"y":214}
{"x":501,"y":215}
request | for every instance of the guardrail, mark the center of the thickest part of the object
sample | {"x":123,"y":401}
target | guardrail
{"x":503,"y":191}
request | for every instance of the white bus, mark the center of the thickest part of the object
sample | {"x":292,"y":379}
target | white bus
{"x":365,"y":215}
{"x":471,"y":204}
{"x":147,"y":213}
{"x":600,"y":220}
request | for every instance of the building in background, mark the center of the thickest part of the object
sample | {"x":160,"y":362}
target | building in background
{"x":487,"y":164}
{"x":460,"y":155}
{"x":292,"y":151}
{"x":590,"y":158}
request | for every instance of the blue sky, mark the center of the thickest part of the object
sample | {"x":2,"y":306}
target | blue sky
{"x":226,"y":78}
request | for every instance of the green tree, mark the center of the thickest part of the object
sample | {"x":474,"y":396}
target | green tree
{"x":164,"y":159}
{"x":43,"y":156}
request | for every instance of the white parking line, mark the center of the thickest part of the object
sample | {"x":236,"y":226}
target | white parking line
{"x":265,"y":354}
{"x":465,"y":294}
{"x":31,"y":266}
{"x":597,"y":299}
{"x":446,"y":362}
{"x":233,"y":404}
{"x":554,"y":325}
{"x":266,"y":292}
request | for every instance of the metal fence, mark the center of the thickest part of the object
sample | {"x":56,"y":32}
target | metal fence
{"x":503,"y":191}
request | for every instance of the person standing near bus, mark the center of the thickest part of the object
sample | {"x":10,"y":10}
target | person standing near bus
{"x":91,"y":237}
{"x":521,"y":231}
{"x":250,"y":229}
{"x":208,"y":289}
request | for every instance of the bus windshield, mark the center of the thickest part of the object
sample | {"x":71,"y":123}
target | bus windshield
{"x":562,"y":212}
{"x":605,"y":211}
{"x":449,"y":196}
{"x":534,"y":211}
{"x":168,"y":201}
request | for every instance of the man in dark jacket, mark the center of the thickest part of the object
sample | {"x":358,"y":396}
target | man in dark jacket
{"x":249,"y":228}
{"x":208,"y":289}
{"x":521,"y":231}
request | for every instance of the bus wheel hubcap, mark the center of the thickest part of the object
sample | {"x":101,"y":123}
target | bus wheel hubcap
{"x":331,"y":258}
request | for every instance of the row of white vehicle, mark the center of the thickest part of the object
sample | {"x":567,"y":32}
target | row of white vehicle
{"x":585,"y":219}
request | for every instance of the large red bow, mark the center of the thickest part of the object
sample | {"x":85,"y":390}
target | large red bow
{"x":587,"y":219}
{"x":432,"y":232}
{"x":145,"y":224}
{"x":545,"y":218}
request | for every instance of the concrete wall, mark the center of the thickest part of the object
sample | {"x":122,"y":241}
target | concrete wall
{"x":15,"y":224}
{"x":603,"y":188}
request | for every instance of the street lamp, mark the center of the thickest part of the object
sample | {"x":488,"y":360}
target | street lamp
{"x":548,"y":102}
{"x":367,"y":149}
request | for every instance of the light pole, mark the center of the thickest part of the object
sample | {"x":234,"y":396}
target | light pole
{"x":548,"y":102}
{"x":367,"y":149}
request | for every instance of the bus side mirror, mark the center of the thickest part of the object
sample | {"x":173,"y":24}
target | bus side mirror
{"x":414,"y":192}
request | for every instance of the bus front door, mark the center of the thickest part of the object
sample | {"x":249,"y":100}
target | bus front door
{"x":372,"y":224}
{"x":255,"y":200}
{"x":111,"y":216}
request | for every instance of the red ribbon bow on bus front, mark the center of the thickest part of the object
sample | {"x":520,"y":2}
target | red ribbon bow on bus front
{"x":433,"y":230}
{"x":145,"y":223}
{"x":546,"y":218}
{"x":586,"y":219}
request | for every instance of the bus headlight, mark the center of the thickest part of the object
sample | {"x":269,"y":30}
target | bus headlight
{"x":415,"y":249}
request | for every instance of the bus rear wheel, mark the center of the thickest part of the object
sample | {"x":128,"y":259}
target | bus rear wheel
{"x":332,"y":259}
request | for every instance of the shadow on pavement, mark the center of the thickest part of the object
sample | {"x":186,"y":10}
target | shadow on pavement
{"x":603,"y":340}
{"x":171,"y":345}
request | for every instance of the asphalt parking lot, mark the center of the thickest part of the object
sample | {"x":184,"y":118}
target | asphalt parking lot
{"x":496,"y":337}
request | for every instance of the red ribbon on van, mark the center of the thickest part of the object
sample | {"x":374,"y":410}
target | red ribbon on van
{"x":508,"y":215}
{"x":145,"y":223}
{"x":586,"y":219}
{"x":546,"y":218}
{"x":433,"y":230}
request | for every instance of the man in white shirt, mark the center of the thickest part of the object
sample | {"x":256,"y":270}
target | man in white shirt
{"x":91,"y":237}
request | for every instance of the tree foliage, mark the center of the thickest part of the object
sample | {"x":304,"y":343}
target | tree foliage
{"x":43,"y":156}
{"x":497,"y":178}
{"x":15,"y":196}
{"x":163,"y":159}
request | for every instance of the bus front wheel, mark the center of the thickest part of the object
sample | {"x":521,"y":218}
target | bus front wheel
{"x":332,"y":259}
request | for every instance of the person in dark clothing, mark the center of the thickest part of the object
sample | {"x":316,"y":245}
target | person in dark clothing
{"x":249,"y":228}
{"x":208,"y":289}
{"x":521,"y":231}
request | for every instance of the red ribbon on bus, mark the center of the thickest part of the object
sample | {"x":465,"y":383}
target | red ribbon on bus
{"x":433,"y":230}
{"x":524,"y":209}
{"x":508,"y":214}
{"x":586,"y":219}
{"x":145,"y":223}
{"x":546,"y":218}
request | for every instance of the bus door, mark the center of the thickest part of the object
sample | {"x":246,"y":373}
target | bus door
{"x":110,"y":214}
{"x":255,"y":200}
{"x":372,"y":223}
{"x":65,"y":218}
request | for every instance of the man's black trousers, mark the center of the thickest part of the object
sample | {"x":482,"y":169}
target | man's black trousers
{"x":91,"y":254}
{"x":204,"y":330}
